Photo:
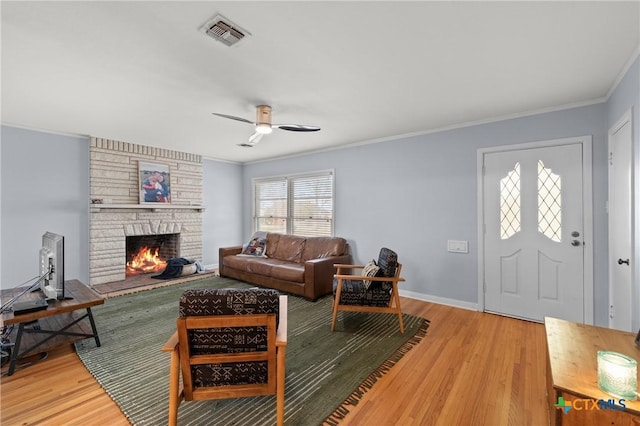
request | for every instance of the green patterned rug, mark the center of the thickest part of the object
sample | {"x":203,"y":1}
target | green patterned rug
{"x":326,"y":372}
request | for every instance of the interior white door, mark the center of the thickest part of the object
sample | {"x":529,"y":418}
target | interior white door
{"x":533,"y":247}
{"x":620,"y":230}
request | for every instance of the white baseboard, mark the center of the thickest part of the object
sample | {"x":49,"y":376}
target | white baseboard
{"x":414,"y":295}
{"x":439,"y":300}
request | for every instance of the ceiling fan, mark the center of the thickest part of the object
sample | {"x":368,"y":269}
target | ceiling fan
{"x":263,"y":125}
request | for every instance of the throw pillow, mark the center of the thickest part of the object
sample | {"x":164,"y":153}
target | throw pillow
{"x":369,"y":270}
{"x":257,"y":245}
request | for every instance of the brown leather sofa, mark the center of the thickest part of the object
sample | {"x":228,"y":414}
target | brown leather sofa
{"x":298,"y":265}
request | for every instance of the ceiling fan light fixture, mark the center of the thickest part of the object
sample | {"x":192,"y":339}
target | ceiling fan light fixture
{"x":264,"y":128}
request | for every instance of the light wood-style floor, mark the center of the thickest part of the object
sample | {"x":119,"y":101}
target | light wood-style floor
{"x":471,"y":369}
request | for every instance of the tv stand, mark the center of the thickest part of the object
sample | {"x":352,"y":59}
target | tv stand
{"x":61,"y":323}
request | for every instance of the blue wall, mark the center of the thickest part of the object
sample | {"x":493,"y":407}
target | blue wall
{"x":424,"y":189}
{"x":45,"y":187}
{"x":222,"y":221}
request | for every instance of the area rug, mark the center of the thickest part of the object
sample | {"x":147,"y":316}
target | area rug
{"x":326,"y":372}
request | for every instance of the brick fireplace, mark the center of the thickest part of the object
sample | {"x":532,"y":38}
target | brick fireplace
{"x":117,"y":214}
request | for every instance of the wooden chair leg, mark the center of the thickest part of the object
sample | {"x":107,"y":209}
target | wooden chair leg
{"x":396,"y":300}
{"x":336,"y":303}
{"x":174,"y":387}
{"x":401,"y":321}
{"x":280,"y":367}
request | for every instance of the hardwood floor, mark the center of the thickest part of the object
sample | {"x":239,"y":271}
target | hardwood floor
{"x":471,"y":369}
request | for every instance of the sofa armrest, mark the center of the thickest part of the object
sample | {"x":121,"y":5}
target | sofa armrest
{"x":226,"y":251}
{"x":229,"y":251}
{"x":318,"y":275}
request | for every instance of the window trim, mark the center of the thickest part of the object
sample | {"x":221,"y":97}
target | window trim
{"x":289,"y":177}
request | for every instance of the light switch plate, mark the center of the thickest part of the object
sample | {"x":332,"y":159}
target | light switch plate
{"x":457,"y":246}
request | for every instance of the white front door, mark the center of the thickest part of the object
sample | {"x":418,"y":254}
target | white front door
{"x":621,"y":292}
{"x":533,"y":232}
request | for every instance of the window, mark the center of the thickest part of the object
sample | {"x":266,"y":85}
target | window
{"x":298,"y":205}
{"x":549,"y":203}
{"x":510,"y":203}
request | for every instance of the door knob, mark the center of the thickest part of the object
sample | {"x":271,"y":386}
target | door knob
{"x":575,"y":234}
{"x":575,"y":243}
{"x":620,"y":261}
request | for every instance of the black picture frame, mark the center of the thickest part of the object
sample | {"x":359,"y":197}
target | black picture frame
{"x":638,"y":339}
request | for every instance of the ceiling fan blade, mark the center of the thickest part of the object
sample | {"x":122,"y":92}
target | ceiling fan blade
{"x":296,"y":127}
{"x":233,"y":117}
{"x":255,"y":138}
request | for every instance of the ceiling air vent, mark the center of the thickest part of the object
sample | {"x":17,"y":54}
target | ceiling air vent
{"x":225,"y":31}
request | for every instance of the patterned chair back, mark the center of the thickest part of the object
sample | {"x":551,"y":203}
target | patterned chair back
{"x":228,"y":340}
{"x":388,"y":262}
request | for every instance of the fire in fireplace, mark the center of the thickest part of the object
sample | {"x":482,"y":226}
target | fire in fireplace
{"x":146,"y":260}
{"x":149,"y":253}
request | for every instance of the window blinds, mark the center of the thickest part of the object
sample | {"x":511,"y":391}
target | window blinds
{"x":299,"y":205}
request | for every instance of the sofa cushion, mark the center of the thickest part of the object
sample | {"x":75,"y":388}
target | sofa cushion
{"x":272,"y":243}
{"x":251,"y":264}
{"x":287,"y":271}
{"x":257,"y":245}
{"x":319,"y":247}
{"x":274,"y":268}
{"x":290,"y":248}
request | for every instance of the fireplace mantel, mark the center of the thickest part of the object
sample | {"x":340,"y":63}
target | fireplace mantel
{"x":94,"y":208}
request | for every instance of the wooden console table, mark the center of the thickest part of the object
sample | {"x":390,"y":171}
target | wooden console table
{"x":60,"y":322}
{"x":572,"y":374}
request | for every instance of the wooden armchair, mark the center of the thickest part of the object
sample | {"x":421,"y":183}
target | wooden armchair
{"x":229,"y":343}
{"x":372,"y":290}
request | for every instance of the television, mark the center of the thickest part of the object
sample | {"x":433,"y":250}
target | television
{"x":52,"y":266}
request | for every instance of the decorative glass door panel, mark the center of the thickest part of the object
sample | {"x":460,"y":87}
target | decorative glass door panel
{"x":549,"y":203}
{"x":510,"y":203}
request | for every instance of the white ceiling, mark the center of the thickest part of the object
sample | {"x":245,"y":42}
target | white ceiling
{"x":145,"y":72}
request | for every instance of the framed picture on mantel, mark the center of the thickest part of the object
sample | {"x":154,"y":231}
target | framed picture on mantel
{"x":638,"y":339}
{"x":155,"y":183}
